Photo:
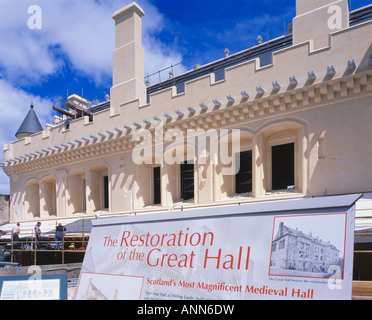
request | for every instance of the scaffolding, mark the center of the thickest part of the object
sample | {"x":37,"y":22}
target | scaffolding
{"x":47,"y":243}
{"x":75,"y":106}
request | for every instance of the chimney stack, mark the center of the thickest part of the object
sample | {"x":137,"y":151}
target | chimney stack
{"x":316,"y":19}
{"x":128,"y":58}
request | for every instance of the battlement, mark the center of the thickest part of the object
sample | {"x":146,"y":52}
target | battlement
{"x":302,"y":114}
{"x":299,"y":76}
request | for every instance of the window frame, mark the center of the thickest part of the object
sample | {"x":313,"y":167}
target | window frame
{"x":243,"y":150}
{"x":153,"y":185}
{"x":180,"y":180}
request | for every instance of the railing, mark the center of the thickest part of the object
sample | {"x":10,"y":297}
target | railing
{"x":89,"y":107}
{"x":48,"y":243}
{"x":11,"y":264}
{"x":160,"y":75}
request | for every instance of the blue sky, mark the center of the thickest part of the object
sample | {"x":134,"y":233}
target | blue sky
{"x":73,"y":50}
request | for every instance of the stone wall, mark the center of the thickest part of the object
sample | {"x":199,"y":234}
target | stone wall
{"x":4,"y":208}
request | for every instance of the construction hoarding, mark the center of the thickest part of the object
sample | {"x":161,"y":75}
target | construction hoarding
{"x":289,"y":249}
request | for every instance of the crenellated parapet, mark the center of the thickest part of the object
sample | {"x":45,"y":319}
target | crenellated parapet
{"x":298,"y":78}
{"x":227,"y":112}
{"x":303,"y":118}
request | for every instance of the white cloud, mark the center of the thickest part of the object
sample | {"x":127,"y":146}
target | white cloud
{"x":14,"y":105}
{"x":158,"y":56}
{"x":75,"y":34}
{"x":80,"y":31}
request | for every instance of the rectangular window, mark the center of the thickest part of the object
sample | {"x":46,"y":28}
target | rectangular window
{"x":187,"y":180}
{"x":156,"y":185}
{"x":243,"y":179}
{"x":84,"y":202}
{"x":283,"y":170}
{"x":105,"y":192}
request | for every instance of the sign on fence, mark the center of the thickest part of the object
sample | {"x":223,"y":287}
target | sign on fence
{"x":290,"y":249}
{"x":35,"y":287}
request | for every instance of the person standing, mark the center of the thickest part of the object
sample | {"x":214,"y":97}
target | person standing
{"x":60,"y":232}
{"x":15,"y":233}
{"x":37,"y":234}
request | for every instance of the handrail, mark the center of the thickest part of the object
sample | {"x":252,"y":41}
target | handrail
{"x":12,"y":264}
{"x":30,"y":243}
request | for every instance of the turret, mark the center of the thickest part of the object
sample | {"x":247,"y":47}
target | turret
{"x":30,"y":125}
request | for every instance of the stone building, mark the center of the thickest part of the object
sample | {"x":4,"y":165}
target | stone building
{"x":301,"y":104}
{"x":4,"y":208}
{"x":293,"y":249}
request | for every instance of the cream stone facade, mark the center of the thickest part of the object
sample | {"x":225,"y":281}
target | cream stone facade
{"x":314,"y":98}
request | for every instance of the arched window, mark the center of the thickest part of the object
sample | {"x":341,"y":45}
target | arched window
{"x":283,"y":157}
{"x":48,"y":196}
{"x":76,"y":191}
{"x":99,"y":197}
{"x":237,"y":178}
{"x":179,"y":170}
{"x":32,"y":199}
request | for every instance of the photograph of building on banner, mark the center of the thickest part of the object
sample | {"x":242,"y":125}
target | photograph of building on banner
{"x":309,"y":246}
{"x":228,"y":253}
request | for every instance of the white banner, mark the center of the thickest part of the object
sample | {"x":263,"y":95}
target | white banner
{"x":280,"y":255}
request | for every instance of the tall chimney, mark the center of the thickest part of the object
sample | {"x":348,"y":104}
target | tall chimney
{"x":128,"y":58}
{"x":316,"y":19}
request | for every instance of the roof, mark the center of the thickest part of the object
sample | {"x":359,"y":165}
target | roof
{"x":285,"y":230}
{"x":30,"y":124}
{"x":263,"y":51}
{"x":74,"y":226}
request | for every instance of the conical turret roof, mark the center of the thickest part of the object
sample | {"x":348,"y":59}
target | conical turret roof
{"x":30,"y":124}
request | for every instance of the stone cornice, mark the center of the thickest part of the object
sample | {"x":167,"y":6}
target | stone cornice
{"x":219,"y":114}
